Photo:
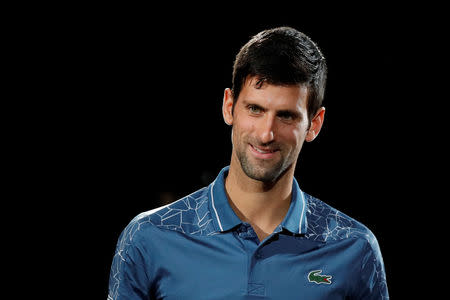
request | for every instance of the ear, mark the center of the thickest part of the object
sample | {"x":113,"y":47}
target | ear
{"x":227,"y":106}
{"x":316,"y":125}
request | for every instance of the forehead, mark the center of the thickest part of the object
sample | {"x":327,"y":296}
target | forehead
{"x":274,"y":96}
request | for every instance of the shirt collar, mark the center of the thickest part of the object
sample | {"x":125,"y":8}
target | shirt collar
{"x":224,"y":217}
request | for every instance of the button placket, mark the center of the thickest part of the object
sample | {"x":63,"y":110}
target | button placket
{"x":251,"y":244}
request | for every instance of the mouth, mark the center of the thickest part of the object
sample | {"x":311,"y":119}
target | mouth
{"x":263,"y":152}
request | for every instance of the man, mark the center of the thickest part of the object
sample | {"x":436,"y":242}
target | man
{"x":252,"y":233}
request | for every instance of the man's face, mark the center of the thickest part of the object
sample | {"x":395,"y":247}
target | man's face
{"x":270,"y":124}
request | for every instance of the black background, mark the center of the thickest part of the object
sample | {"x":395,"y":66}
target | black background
{"x":137,"y":118}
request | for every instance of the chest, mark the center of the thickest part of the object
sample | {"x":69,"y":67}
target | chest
{"x":236,"y":265}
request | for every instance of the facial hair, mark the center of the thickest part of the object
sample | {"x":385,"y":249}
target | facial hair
{"x":267,"y":171}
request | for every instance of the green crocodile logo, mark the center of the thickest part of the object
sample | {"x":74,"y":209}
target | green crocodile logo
{"x":314,"y":276}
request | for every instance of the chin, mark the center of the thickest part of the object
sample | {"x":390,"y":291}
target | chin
{"x":261,"y":173}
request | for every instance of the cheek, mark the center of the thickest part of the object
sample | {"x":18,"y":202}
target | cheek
{"x":246,"y":123}
{"x":242,"y":128}
{"x":294,"y":137}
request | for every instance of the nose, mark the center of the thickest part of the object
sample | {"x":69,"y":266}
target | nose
{"x":266,"y":129}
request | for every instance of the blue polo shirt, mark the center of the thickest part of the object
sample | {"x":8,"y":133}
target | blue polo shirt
{"x":197,"y":248}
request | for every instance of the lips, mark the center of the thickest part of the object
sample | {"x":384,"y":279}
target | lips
{"x":263,"y":152}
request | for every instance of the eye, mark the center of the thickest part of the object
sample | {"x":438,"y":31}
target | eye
{"x":254,"y":109}
{"x":287,"y":116}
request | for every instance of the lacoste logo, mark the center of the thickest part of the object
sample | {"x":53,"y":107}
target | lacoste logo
{"x":314,"y":276}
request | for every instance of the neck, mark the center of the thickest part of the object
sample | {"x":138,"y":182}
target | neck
{"x":263,"y":205}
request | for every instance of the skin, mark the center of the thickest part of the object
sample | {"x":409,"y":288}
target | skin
{"x":271,"y":119}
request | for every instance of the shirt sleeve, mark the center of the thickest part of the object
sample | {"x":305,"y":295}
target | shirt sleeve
{"x":128,"y":277}
{"x":372,"y":284}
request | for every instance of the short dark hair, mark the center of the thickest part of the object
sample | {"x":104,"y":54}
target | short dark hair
{"x":282,"y":56}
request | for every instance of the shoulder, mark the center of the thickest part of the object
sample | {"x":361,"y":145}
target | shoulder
{"x":188,"y":215}
{"x":326,"y":223}
{"x":145,"y":237}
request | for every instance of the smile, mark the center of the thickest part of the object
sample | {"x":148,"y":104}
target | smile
{"x":263,"y":153}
